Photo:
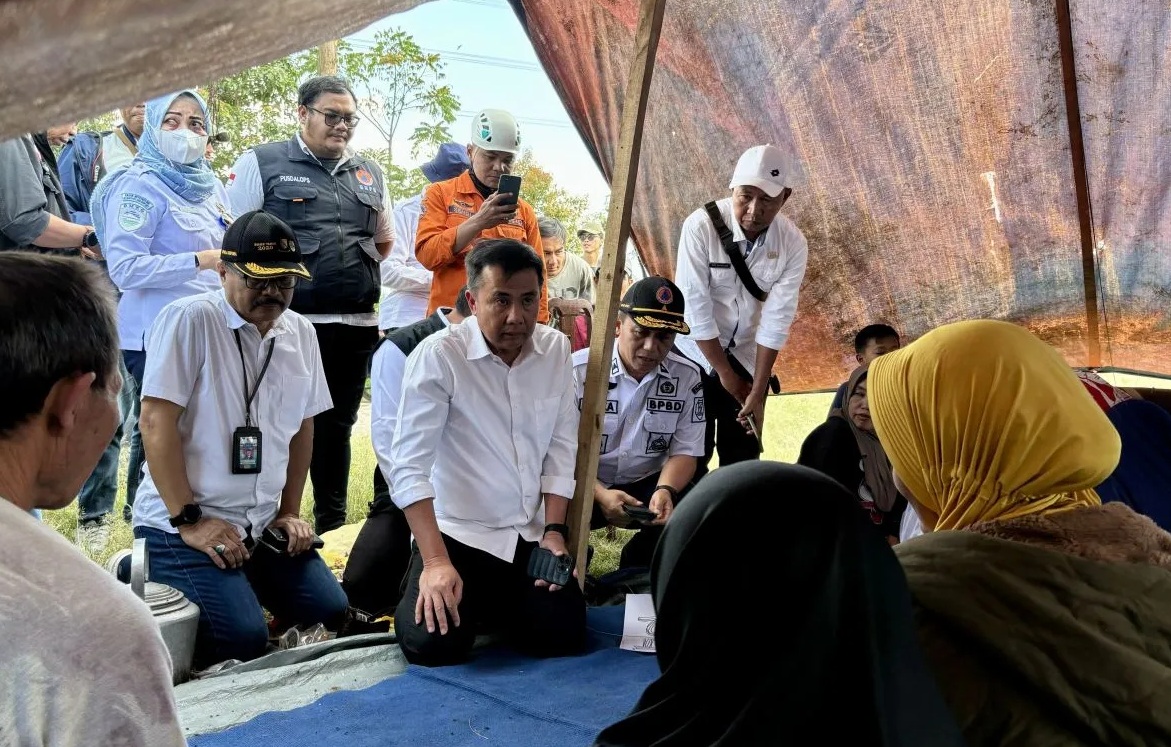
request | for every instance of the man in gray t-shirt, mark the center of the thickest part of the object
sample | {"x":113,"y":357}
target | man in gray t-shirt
{"x":566,"y":275}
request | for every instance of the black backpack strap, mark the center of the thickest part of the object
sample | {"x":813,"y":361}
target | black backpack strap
{"x":737,"y":259}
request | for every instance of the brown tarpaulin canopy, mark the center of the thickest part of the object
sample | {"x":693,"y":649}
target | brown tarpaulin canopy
{"x":934,"y":136}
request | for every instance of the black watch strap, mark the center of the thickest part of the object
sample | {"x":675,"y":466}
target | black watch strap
{"x":90,"y":240}
{"x":562,"y":529}
{"x":189,"y":514}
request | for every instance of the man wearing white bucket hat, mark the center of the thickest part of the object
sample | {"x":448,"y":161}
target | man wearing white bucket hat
{"x":460,"y":212}
{"x":740,"y":266}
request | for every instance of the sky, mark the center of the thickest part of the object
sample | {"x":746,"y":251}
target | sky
{"x":501,"y":74}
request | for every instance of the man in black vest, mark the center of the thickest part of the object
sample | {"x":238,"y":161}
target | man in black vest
{"x":333,"y":199}
{"x":382,"y":553}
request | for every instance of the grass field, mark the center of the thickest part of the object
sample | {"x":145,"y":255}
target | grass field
{"x":788,"y":419}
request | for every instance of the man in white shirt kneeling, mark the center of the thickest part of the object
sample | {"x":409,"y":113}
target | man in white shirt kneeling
{"x":233,"y":380}
{"x":482,"y":466}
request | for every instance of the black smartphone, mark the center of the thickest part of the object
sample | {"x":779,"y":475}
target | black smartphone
{"x":640,"y":513}
{"x":556,"y":569}
{"x":509,"y":188}
{"x":276,"y":540}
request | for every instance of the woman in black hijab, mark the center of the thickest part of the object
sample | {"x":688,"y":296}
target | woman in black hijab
{"x":782,"y":619}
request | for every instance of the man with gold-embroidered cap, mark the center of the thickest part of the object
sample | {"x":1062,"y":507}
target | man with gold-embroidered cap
{"x":233,"y":382}
{"x":654,"y":427}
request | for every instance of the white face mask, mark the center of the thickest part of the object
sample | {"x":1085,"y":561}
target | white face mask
{"x":182,"y":146}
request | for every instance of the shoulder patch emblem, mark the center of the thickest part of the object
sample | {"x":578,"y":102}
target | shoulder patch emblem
{"x":133,"y":211}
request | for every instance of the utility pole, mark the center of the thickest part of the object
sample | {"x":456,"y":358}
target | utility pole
{"x":327,"y":58}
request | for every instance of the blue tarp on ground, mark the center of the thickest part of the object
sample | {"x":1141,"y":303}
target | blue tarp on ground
{"x":498,"y":698}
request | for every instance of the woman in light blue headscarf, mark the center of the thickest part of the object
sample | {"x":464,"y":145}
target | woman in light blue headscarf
{"x":160,"y":222}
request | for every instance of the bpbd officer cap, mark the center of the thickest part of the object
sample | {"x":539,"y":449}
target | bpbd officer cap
{"x":263,"y":246}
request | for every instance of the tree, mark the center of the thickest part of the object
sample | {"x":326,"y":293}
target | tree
{"x":404,"y":78}
{"x":400,"y":183}
{"x":538,"y":189}
{"x":100,"y":123}
{"x":255,"y":106}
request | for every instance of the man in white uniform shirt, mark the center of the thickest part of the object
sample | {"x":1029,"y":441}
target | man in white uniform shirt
{"x":654,"y":426}
{"x":741,"y":285}
{"x":482,"y":465}
{"x":233,"y":380}
{"x":406,"y":284}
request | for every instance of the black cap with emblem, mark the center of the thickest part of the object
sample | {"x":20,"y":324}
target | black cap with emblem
{"x":655,"y":303}
{"x":262,"y":246}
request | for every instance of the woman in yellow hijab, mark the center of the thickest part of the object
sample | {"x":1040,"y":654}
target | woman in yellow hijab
{"x":1047,"y":619}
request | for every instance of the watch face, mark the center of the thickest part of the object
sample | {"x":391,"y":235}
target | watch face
{"x":192,"y":513}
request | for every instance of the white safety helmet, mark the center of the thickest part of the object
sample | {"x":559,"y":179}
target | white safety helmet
{"x":496,"y":129}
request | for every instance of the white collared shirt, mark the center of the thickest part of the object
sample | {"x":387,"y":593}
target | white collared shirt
{"x":246,"y":193}
{"x":406,"y":283}
{"x":192,"y":360}
{"x":718,"y":304}
{"x":647,"y":421}
{"x":485,"y":439}
{"x":386,"y":384}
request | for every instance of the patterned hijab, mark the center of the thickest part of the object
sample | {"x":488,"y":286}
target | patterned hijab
{"x":876,"y":471}
{"x":983,"y":421}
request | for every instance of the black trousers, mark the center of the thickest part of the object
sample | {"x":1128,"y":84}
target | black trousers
{"x":498,"y":597}
{"x":724,"y":433}
{"x":378,"y":562}
{"x":345,"y":356}
{"x":639,"y":550}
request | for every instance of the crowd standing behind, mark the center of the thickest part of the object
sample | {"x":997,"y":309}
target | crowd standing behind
{"x":247,"y":326}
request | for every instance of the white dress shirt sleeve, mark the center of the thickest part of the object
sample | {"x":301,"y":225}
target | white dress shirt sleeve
{"x":245,"y":190}
{"x":776,"y":315}
{"x":319,"y":399}
{"x":402,"y":272}
{"x":386,"y":383}
{"x":422,"y":418}
{"x":557,"y":469}
{"x":128,"y":258}
{"x":693,"y":276}
{"x":383,"y":234}
{"x":176,"y":348}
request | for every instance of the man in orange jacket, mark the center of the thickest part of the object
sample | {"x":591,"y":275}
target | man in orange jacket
{"x":459,"y":212}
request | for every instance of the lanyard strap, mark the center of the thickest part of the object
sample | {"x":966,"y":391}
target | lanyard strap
{"x":249,"y":396}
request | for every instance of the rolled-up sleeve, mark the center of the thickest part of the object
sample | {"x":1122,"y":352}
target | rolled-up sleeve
{"x":558,"y":466}
{"x":422,"y":418}
{"x":23,"y":213}
{"x":693,"y":278}
{"x":780,"y":307}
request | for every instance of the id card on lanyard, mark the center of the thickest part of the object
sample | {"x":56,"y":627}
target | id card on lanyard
{"x":248,"y":441}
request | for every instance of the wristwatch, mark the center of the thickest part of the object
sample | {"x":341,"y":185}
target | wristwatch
{"x":189,"y":514}
{"x":562,"y":529}
{"x":90,"y":240}
{"x":672,"y":491}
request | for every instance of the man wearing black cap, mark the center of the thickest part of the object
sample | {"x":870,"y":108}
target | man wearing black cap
{"x":654,"y":427}
{"x":233,"y":380}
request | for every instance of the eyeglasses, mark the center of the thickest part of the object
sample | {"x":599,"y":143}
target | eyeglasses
{"x":284,"y":282}
{"x":332,"y":118}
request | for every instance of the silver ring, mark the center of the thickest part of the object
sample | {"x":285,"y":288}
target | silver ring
{"x":219,"y":549}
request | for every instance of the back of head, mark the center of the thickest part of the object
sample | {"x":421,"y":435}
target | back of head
{"x":982,"y":421}
{"x":840,"y":659}
{"x":57,"y":319}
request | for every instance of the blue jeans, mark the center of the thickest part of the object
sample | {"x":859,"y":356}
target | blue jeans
{"x":100,"y":490}
{"x":297,"y":590}
{"x":135,"y":361}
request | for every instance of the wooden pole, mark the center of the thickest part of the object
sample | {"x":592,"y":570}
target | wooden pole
{"x":1081,"y":182}
{"x":327,"y":58}
{"x":646,"y":41}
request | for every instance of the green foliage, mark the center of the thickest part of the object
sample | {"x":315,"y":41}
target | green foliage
{"x":538,"y":189}
{"x":100,"y":123}
{"x":257,"y":105}
{"x":401,"y":183}
{"x":403,"y":78}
